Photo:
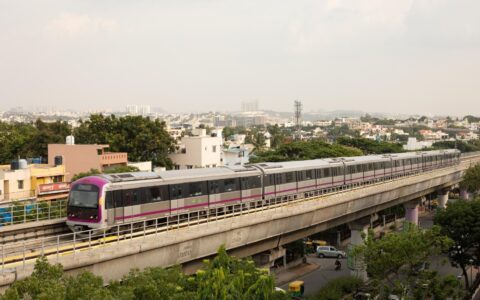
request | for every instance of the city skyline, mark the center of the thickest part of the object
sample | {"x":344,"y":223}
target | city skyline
{"x":408,"y":57}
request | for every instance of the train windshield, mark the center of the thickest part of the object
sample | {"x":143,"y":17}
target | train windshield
{"x":84,"y":195}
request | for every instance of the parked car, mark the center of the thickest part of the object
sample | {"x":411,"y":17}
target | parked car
{"x":330,"y":251}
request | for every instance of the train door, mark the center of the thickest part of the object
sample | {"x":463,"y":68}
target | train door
{"x":127,"y":205}
{"x":118,"y":207}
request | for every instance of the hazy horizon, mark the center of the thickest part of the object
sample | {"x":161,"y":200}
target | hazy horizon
{"x":398,"y":57}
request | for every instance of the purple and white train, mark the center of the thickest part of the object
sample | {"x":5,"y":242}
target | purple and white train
{"x":102,"y":201}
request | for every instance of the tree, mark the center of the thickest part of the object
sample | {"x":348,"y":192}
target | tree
{"x":143,"y":139}
{"x":30,"y":139}
{"x":85,"y":174}
{"x":305,"y":150}
{"x":392,"y":261}
{"x":224,"y":277}
{"x":460,"y":221}
{"x":471,"y":179}
{"x":370,"y":147}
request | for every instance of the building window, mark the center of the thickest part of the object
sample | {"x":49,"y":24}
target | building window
{"x":177,"y":167}
{"x":214,"y":149}
{"x":189,"y":167}
{"x":20,"y":184}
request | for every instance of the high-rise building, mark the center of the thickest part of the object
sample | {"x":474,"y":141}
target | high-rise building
{"x":248,"y":106}
{"x":138,"y":109}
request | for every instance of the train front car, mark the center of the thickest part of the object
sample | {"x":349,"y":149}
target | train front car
{"x":85,"y":207}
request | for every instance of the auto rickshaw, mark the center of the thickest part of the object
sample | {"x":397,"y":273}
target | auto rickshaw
{"x":311,"y":245}
{"x":296,"y":289}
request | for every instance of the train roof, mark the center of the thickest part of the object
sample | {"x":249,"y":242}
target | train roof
{"x":179,"y":175}
{"x":173,"y":176}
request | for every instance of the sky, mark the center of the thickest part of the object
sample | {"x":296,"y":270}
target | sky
{"x":393,"y":56}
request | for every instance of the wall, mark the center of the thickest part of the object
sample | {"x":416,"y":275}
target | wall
{"x":12,"y":177}
{"x":76,"y":158}
{"x":199,"y":152}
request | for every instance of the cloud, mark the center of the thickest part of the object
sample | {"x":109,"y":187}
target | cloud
{"x":72,"y":25}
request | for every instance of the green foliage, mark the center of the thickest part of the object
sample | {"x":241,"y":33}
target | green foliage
{"x":121,"y":169}
{"x":388,"y":122}
{"x":472,"y":119}
{"x":460,"y":145}
{"x":392,"y":261}
{"x":143,"y":139}
{"x":460,"y":221}
{"x":305,"y":150}
{"x":85,"y":174}
{"x":30,"y":139}
{"x":224,"y":277}
{"x":370,"y":147}
{"x":471,"y":179}
{"x":334,"y":132}
{"x":338,"y":288}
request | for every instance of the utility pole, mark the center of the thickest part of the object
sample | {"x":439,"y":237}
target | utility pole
{"x":298,"y":117}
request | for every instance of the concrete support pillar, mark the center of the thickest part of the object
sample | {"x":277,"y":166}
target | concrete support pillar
{"x":359,"y":231}
{"x":411,"y":211}
{"x":464,"y":194}
{"x":339,"y":238}
{"x":443,"y":198}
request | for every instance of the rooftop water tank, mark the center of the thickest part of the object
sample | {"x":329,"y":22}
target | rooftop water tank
{"x":14,"y":165}
{"x":22,"y":164}
{"x":70,"y":140}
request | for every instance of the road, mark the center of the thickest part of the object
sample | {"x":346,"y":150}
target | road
{"x":320,"y":276}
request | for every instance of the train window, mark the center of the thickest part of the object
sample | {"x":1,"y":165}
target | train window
{"x":359,"y":168}
{"x":327,"y":172}
{"x":268,"y":180}
{"x":290,"y":177}
{"x":117,"y":198}
{"x":176,"y":191}
{"x":309,"y":175}
{"x":214,"y":186}
{"x":157,"y":193}
{"x":136,"y":197}
{"x":351,"y":169}
{"x":250,"y":182}
{"x":230,"y":185}
{"x":388,"y":164}
{"x":109,"y":200}
{"x":255,"y":182}
{"x":127,"y":197}
{"x":195,"y":189}
{"x":338,"y":171}
{"x":279,"y":179}
{"x":301,"y":175}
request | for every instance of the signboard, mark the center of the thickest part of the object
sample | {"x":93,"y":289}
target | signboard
{"x":53,"y":187}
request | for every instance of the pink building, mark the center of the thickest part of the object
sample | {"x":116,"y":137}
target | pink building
{"x":82,"y":158}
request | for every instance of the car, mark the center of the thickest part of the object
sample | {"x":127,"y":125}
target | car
{"x":330,"y":251}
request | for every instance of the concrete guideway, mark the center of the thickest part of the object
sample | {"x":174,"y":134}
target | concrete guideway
{"x":248,"y":233}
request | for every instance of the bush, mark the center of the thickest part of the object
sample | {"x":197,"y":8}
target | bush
{"x":338,"y":288}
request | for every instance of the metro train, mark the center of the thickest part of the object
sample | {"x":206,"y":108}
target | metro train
{"x":102,"y":201}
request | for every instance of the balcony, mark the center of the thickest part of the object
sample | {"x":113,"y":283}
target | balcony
{"x":113,"y":158}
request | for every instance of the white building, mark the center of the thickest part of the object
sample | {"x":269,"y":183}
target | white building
{"x":236,"y":156}
{"x":199,"y":151}
{"x":413,"y":144}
